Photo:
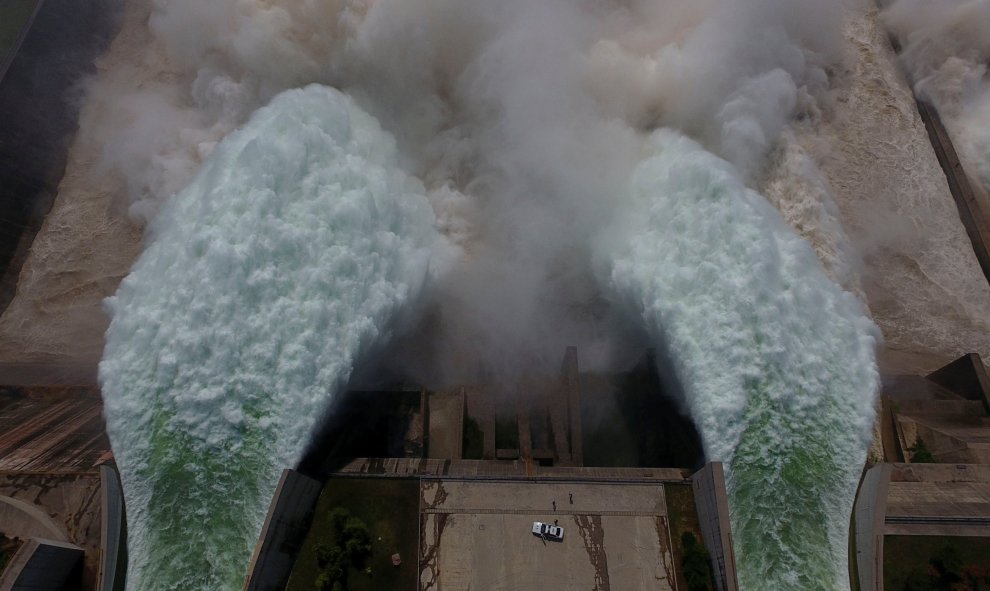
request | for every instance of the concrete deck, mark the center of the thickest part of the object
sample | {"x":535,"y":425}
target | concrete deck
{"x":483,"y":470}
{"x":446,"y":424}
{"x":477,"y":535}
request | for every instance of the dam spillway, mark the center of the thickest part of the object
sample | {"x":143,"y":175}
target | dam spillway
{"x":15,"y":325}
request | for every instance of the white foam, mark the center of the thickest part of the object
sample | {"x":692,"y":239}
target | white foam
{"x":776,"y":361}
{"x":290,"y":253}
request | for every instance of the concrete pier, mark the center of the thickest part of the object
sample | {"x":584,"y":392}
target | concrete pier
{"x":713,"y":514}
{"x":285,"y":526}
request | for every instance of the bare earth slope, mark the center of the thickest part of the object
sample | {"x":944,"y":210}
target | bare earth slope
{"x":87,"y":243}
{"x":889,"y":230}
{"x":911,"y":257}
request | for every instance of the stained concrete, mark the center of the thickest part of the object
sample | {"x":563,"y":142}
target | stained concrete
{"x":478,"y":535}
{"x":480,"y":470}
{"x":446,"y":424}
{"x":713,"y":516}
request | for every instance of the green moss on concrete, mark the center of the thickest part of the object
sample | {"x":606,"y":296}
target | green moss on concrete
{"x":683,"y":516}
{"x":936,"y":562}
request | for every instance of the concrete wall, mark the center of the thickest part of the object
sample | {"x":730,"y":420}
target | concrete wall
{"x":868,"y":519}
{"x":965,"y":376}
{"x":963,"y":191}
{"x":42,"y":565}
{"x":285,"y":526}
{"x":570,"y":378}
{"x":113,"y":532}
{"x":713,"y":515}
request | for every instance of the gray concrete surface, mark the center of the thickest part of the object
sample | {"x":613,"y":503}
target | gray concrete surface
{"x":285,"y":525}
{"x":713,"y":516}
{"x":446,"y":424}
{"x":974,"y":219}
{"x":113,"y":534}
{"x":485,"y":470}
{"x":966,"y":376}
{"x":572,"y":392}
{"x":868,"y":516}
{"x":478,"y":536}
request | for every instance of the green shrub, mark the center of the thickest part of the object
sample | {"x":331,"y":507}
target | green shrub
{"x":351,"y":547}
{"x":920,"y":454}
{"x":948,"y":564}
{"x":696,"y":564}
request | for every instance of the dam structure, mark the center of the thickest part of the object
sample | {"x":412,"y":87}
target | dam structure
{"x":251,"y":228}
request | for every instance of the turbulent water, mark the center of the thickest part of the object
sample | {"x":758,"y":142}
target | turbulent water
{"x":299,"y":242}
{"x":776,"y":361}
{"x":290,"y":252}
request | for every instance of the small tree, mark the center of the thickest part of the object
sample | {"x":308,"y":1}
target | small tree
{"x":919,"y":452}
{"x":351,"y":548}
{"x":948,"y":564}
{"x":695,"y":564}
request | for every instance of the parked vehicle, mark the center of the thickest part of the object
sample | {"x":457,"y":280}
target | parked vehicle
{"x":548,"y":532}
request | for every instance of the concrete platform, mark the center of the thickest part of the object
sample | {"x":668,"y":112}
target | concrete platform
{"x":446,"y":424}
{"x":477,"y":535}
{"x":484,"y":470}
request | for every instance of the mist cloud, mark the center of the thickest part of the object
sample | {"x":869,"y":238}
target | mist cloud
{"x":522,"y":118}
{"x":947,"y":52}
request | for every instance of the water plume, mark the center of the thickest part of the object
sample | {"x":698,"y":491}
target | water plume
{"x":947,"y":52}
{"x":292,"y":251}
{"x":524,"y":122}
{"x":776,"y":361}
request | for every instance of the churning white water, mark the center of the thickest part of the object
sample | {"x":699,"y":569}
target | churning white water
{"x":290,"y":252}
{"x":776,"y":361}
{"x":299,"y":242}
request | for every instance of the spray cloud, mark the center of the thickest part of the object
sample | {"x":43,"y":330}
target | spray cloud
{"x":524,"y":122}
{"x":947,"y":52}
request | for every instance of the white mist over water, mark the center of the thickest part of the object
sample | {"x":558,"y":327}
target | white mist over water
{"x":289,"y":255}
{"x":947,"y":52}
{"x":776,"y":361}
{"x":525,"y":119}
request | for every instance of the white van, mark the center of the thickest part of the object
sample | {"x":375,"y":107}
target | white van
{"x":548,"y":532}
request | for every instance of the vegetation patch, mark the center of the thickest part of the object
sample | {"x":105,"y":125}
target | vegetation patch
{"x":696,"y":563}
{"x":358,"y":525}
{"x":685,"y":533}
{"x":920,"y":453}
{"x":923,"y":563}
{"x":350,"y":549}
{"x":8,"y":547}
